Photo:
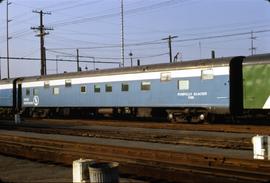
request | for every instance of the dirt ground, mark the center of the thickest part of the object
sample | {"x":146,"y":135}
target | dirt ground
{"x":14,"y":170}
{"x":20,"y":170}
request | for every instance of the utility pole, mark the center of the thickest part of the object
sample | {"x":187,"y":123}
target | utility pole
{"x":200,"y":46}
{"x":252,"y":48}
{"x":56,"y":66}
{"x":78,"y":61}
{"x":122,"y":35}
{"x":94,"y":64}
{"x":170,"y":45}
{"x":8,"y":38}
{"x":131,"y":62}
{"x":42,"y":33}
{"x":0,"y":69}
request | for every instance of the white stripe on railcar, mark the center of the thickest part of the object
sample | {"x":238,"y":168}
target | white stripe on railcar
{"x":6,"y":86}
{"x":267,"y":104}
{"x":217,"y":71}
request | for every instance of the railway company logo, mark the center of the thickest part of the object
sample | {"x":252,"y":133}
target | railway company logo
{"x":35,"y":101}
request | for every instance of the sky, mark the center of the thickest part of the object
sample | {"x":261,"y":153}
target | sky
{"x":94,"y":27}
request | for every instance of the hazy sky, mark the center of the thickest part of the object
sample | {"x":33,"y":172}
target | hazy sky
{"x":94,"y":27}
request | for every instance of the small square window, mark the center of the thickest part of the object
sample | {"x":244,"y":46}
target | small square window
{"x":56,"y":91}
{"x":35,"y":91}
{"x":125,"y":87}
{"x":46,"y":84}
{"x":145,"y":85}
{"x":207,"y":74}
{"x":96,"y":88}
{"x":165,"y":76}
{"x":108,"y":87}
{"x":27,"y":92}
{"x":68,"y":83}
{"x":183,"y":84}
{"x":83,"y":89}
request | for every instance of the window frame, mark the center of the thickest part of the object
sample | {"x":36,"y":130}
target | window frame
{"x":27,"y":91}
{"x":85,"y":89}
{"x":97,"y":88}
{"x":145,"y":86}
{"x":183,"y":85}
{"x":35,"y":91}
{"x":125,"y":87}
{"x":46,"y":84}
{"x":108,"y":88}
{"x":207,"y":74}
{"x":68,"y":83}
{"x":165,"y":76}
{"x":56,"y":89}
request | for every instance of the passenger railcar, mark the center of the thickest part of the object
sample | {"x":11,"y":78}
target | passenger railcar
{"x":192,"y":90}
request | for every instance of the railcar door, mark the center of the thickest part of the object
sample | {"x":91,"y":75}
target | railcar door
{"x":236,"y":86}
{"x":19,"y":97}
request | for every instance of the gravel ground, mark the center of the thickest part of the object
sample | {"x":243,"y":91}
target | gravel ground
{"x":14,"y":170}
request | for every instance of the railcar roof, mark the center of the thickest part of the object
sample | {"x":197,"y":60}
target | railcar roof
{"x":144,"y":68}
{"x":257,"y":59}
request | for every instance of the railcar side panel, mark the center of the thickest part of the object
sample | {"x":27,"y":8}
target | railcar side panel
{"x":256,"y":81}
{"x":205,"y":88}
{"x":6,"y":98}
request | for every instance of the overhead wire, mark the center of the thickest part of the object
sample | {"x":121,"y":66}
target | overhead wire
{"x":157,"y":42}
{"x":64,"y":54}
{"x":130,"y":11}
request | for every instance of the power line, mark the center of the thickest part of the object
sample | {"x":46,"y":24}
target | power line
{"x":64,"y":54}
{"x":130,"y":11}
{"x":76,"y":5}
{"x":156,"y":42}
{"x":222,"y":36}
{"x":61,"y":60}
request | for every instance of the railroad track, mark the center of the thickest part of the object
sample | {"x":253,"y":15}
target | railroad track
{"x":165,"y":138}
{"x":234,"y":128}
{"x":139,"y":162}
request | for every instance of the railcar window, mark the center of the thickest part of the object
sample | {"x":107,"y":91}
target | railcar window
{"x":96,"y":88}
{"x":46,"y":84}
{"x":165,"y":76}
{"x":27,"y":91}
{"x":145,"y":86}
{"x":35,"y":91}
{"x":125,"y":87}
{"x":68,"y":83}
{"x":83,"y":89}
{"x":207,"y":74}
{"x":56,"y":91}
{"x":183,"y":84}
{"x":108,"y":88}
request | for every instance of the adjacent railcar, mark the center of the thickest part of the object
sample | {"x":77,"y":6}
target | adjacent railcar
{"x":256,"y":83}
{"x":6,"y":93}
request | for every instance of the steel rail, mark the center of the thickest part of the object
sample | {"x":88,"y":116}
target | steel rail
{"x":153,"y":161}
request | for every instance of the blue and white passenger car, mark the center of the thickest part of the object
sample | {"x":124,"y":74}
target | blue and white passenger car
{"x":6,"y":93}
{"x":181,"y":90}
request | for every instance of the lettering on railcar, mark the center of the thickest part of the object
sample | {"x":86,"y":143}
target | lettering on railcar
{"x":34,"y":102}
{"x":192,"y":95}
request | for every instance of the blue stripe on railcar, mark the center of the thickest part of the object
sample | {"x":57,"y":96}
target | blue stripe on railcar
{"x":199,"y":93}
{"x":6,"y":99}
